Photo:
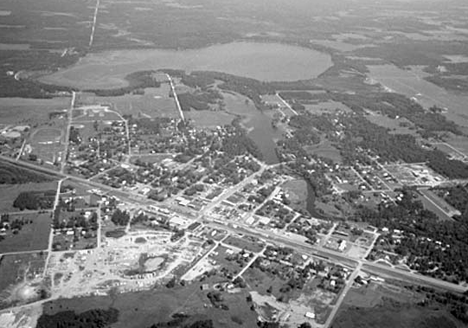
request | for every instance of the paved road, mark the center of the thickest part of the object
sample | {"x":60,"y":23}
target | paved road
{"x":339,"y":257}
{"x":176,"y":99}
{"x":342,"y":296}
{"x":67,"y":134}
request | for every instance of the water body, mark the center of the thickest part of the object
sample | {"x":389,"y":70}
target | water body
{"x":262,"y":61}
{"x":257,"y":123}
{"x":311,"y":203}
{"x":264,"y":136}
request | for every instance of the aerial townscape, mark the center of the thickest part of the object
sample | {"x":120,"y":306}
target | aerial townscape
{"x":229,"y":163}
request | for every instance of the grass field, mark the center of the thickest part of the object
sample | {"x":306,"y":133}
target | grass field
{"x":391,"y":315}
{"x":396,"y":126}
{"x":32,"y":236}
{"x":326,"y":107}
{"x":154,"y":103}
{"x":325,"y":149}
{"x":8,"y":193}
{"x":207,"y":118}
{"x":30,"y":111}
{"x":142,"y":309}
{"x":150,"y":158}
{"x":388,"y":305}
{"x":244,"y":243}
{"x":297,"y":192}
{"x":47,"y":142}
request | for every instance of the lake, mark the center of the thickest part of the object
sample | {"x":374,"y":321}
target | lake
{"x":261,"y":61}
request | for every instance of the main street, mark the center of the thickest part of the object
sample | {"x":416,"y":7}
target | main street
{"x":280,"y":239}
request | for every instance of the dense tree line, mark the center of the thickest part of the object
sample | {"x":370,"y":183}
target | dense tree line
{"x":457,"y":197}
{"x":238,"y":142}
{"x":421,"y":231}
{"x":184,"y":321}
{"x":10,"y":174}
{"x":34,"y":200}
{"x":396,"y":105}
{"x":359,"y":132}
{"x":17,"y":60}
{"x":137,"y":82}
{"x":304,"y":129}
{"x":97,"y":318}
{"x":120,"y":218}
{"x":199,"y":100}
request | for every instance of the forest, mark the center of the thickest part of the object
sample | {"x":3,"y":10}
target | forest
{"x":425,"y":238}
{"x":97,"y":318}
{"x":137,"y":81}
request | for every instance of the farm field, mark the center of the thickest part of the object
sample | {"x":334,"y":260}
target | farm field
{"x":142,"y":309}
{"x":8,"y":193}
{"x":155,"y":102}
{"x":426,"y":93}
{"x":390,"y":314}
{"x":30,"y":111}
{"x":203,"y":118}
{"x":396,"y":126}
{"x":32,"y":236}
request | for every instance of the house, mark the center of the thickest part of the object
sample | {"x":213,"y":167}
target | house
{"x":310,"y":315}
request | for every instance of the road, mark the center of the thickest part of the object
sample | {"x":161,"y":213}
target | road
{"x":176,"y":99}
{"x":93,"y":27}
{"x":282,"y":240}
{"x":51,"y":234}
{"x":286,"y":104}
{"x":342,"y":296}
{"x":67,"y":134}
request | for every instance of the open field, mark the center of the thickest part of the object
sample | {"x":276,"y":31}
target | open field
{"x":297,"y":192}
{"x":244,"y":243}
{"x":155,"y":102}
{"x":8,"y":193}
{"x":30,"y":111}
{"x":326,"y":107}
{"x":142,"y":309}
{"x":391,"y":314}
{"x":47,"y":24}
{"x":32,"y":236}
{"x":203,"y":118}
{"x":325,"y":149}
{"x":426,"y":93}
{"x":396,"y":126}
{"x":47,"y":143}
{"x":19,"y":267}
